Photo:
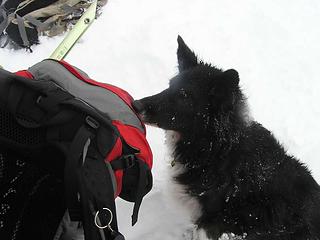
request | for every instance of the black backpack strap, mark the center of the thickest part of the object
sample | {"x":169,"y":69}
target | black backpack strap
{"x":124,"y":162}
{"x":140,"y":191}
{"x":90,"y":185}
{"x":72,"y":166}
{"x":97,"y":194}
{"x":127,"y":160}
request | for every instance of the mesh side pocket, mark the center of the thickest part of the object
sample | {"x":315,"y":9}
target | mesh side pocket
{"x":12,"y":131}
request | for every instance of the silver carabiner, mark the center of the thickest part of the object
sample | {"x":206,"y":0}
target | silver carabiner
{"x":98,"y":223}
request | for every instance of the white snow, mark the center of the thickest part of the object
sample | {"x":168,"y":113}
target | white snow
{"x":274,"y":45}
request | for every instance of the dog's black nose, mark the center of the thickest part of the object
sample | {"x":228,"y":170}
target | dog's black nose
{"x":138,"y":106}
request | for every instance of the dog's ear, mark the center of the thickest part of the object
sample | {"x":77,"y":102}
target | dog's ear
{"x":231,"y":77}
{"x":186,"y":58}
{"x":223,"y":88}
{"x":226,"y":82}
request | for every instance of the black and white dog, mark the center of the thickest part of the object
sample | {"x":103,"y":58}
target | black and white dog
{"x":241,"y":177}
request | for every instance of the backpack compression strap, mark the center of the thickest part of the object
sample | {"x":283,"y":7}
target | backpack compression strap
{"x":127,"y":161}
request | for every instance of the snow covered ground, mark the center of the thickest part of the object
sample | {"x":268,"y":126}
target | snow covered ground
{"x":273,"y":44}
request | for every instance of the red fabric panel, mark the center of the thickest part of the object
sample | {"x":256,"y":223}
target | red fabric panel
{"x":24,"y":73}
{"x":136,"y":139}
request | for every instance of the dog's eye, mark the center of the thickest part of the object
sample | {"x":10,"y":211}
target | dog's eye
{"x":183,"y":93}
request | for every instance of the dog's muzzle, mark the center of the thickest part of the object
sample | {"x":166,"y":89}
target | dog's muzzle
{"x":138,"y":106}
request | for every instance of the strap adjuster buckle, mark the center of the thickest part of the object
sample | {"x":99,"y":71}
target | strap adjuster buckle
{"x":124,"y":162}
{"x":92,"y":122}
{"x":129,"y":160}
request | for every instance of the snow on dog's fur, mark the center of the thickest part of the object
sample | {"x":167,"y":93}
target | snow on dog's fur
{"x":238,"y":176}
{"x":179,"y":191}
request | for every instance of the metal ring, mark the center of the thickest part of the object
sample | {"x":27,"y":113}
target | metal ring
{"x":96,"y":217}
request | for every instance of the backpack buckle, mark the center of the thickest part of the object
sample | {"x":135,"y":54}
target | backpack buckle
{"x":129,"y":160}
{"x":92,"y":122}
{"x":123,"y":162}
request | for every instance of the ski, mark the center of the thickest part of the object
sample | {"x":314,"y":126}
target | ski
{"x":76,"y":32}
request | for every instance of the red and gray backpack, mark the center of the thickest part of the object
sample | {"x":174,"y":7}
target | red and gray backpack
{"x":85,"y":131}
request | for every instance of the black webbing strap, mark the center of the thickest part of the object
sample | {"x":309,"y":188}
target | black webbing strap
{"x":71,"y":173}
{"x":22,"y":31}
{"x":127,"y":160}
{"x":123,"y":162}
{"x":97,"y":198}
{"x":89,"y":185}
{"x":140,"y":192}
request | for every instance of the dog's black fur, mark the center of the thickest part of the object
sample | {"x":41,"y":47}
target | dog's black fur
{"x":235,"y":168}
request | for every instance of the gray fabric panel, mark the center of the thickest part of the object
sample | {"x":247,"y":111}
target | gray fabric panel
{"x":102,"y":99}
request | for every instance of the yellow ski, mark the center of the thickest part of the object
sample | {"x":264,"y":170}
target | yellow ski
{"x":72,"y":37}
